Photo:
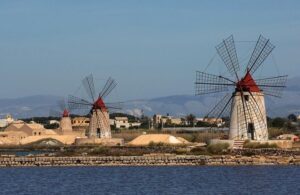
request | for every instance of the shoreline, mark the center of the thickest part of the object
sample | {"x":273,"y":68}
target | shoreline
{"x":148,"y":160}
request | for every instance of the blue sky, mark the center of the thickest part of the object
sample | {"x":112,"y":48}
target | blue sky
{"x":152,"y":48}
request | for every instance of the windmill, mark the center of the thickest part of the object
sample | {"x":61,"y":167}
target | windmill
{"x":246,"y":102}
{"x":65,"y":125}
{"x":99,"y":126}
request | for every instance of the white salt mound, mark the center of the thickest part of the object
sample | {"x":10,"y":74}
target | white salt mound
{"x":144,"y":140}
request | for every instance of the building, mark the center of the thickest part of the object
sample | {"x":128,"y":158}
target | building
{"x":14,"y":133}
{"x":123,"y":123}
{"x":6,"y":121}
{"x":160,"y":120}
{"x":135,"y":125}
{"x":217,"y":121}
{"x":19,"y":133}
{"x":51,"y":122}
{"x":80,"y":123}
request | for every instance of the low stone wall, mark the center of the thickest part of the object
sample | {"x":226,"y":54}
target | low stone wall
{"x":266,"y":152}
{"x":150,"y":160}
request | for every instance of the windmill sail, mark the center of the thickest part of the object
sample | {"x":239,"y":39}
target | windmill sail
{"x":209,"y":83}
{"x":227,"y":52}
{"x":262,"y":50}
{"x":88,"y":84}
{"x":272,"y":86}
{"x":78,"y":103}
{"x":221,"y":109}
{"x":109,"y":86}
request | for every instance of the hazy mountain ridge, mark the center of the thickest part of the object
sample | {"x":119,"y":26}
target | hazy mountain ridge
{"x":177,"y":105}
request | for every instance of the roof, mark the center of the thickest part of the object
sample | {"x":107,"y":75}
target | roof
{"x":13,"y":127}
{"x":66,"y":113}
{"x":50,"y":132}
{"x":99,"y":104}
{"x":81,"y":118}
{"x":121,"y":118}
{"x":35,"y":126}
{"x":248,"y":84}
{"x":12,"y":133}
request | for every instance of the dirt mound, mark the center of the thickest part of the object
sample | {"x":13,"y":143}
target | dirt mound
{"x":144,"y":140}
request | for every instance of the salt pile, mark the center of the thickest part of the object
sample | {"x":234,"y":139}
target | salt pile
{"x":144,"y":140}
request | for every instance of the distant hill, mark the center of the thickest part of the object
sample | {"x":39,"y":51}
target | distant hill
{"x":181,"y":105}
{"x":25,"y":107}
{"x":177,"y":105}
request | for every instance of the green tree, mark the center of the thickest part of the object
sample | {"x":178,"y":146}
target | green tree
{"x":190,"y":119}
{"x":292,"y":117}
{"x":278,"y":122}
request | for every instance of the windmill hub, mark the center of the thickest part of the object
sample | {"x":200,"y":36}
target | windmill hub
{"x":247,"y":83}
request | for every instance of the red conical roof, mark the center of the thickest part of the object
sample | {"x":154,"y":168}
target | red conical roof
{"x":66,"y":113}
{"x":247,"y":84}
{"x":99,"y":104}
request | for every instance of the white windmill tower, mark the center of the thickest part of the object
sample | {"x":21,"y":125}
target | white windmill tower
{"x":246,"y":102}
{"x":99,"y":126}
{"x":65,"y":125}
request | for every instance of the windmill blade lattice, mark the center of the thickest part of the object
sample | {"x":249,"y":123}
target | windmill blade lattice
{"x":255,"y":105}
{"x":88,"y":84}
{"x":261,"y":51}
{"x":209,"y":83}
{"x":115,"y":106}
{"x":78,"y":103}
{"x":55,"y":113}
{"x":272,"y":86}
{"x":222,"y":108}
{"x":63,"y":109}
{"x":62,"y":105}
{"x":227,"y":52}
{"x":108,"y":87}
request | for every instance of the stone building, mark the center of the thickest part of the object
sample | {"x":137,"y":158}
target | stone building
{"x":26,"y":133}
{"x":160,"y":120}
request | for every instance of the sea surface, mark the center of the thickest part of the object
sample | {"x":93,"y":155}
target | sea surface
{"x":151,"y":180}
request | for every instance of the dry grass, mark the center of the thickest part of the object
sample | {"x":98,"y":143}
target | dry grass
{"x":274,"y":132}
{"x":220,"y":148}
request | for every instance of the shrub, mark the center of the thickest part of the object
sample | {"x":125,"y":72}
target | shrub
{"x":274,"y":132}
{"x":278,"y":122}
{"x":199,"y":151}
{"x":154,"y":144}
{"x":99,"y":151}
{"x":219,"y":148}
{"x":257,"y":145}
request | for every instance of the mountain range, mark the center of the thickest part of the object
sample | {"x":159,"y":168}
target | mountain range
{"x":176,"y":105}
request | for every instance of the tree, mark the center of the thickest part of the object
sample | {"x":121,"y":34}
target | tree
{"x":290,"y":126}
{"x":292,"y":117}
{"x":168,"y":122}
{"x":203,"y":124}
{"x":278,"y":122}
{"x":190,"y":119}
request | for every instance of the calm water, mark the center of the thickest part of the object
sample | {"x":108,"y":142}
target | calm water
{"x":151,"y":180}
